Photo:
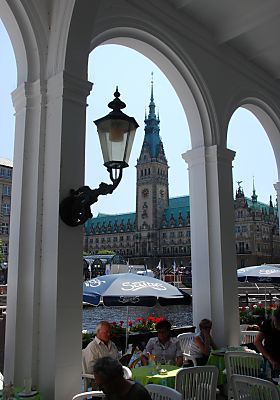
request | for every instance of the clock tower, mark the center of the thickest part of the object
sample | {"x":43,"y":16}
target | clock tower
{"x":152,"y":195}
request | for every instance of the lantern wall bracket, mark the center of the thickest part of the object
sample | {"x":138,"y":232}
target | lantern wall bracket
{"x":75,"y":210}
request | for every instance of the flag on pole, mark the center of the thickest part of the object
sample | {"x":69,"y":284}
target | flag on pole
{"x":174,"y":272}
{"x":107,"y":269}
{"x":159,"y":268}
{"x":90,"y":270}
{"x":174,"y":267}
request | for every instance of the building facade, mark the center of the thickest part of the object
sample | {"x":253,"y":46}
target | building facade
{"x":6,"y":171}
{"x":256,"y":230}
{"x":160,"y":227}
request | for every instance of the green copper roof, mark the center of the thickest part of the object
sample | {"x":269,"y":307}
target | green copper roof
{"x":177,"y":212}
{"x":261,"y":206}
{"x":175,"y":215}
{"x":115,"y":221}
{"x":179,"y":202}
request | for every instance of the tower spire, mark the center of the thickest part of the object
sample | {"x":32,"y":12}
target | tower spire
{"x":152,"y":103}
{"x":254,"y":197}
{"x":152,"y":141}
{"x":152,"y":87}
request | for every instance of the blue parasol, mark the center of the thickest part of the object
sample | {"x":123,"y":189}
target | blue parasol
{"x":130,"y":290}
{"x":265,"y":273}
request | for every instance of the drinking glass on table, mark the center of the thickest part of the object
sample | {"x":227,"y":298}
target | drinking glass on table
{"x":27,"y":385}
{"x":158,"y":366}
{"x":152,"y":363}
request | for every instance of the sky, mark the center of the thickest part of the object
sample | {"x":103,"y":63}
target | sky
{"x":111,"y":66}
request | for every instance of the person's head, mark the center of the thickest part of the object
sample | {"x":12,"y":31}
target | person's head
{"x":108,"y":374}
{"x":205,"y":324}
{"x":163,"y":329}
{"x":276,"y":319}
{"x":103,"y":329}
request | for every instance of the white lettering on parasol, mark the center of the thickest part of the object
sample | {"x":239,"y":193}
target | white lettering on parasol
{"x":134,"y":286}
{"x":265,"y":279}
{"x":131,"y":299}
{"x":268,"y":271}
{"x":94,"y":283}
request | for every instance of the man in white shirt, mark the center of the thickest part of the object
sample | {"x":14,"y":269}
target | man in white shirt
{"x":100,"y":346}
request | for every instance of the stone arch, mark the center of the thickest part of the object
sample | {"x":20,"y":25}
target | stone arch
{"x":185,"y":78}
{"x":268,"y":114}
{"x":27,"y":35}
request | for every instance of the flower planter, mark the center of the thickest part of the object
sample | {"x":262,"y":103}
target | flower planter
{"x":255,"y":313}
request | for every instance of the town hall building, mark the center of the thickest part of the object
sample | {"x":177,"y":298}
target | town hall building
{"x":160,"y":227}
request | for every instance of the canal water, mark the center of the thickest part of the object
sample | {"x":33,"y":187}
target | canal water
{"x":180,"y":315}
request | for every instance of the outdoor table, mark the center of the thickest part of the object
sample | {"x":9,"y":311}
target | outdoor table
{"x":17,"y":396}
{"x":144,"y":375}
{"x":217,"y":358}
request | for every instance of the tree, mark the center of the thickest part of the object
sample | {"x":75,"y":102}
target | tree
{"x":104,"y":252}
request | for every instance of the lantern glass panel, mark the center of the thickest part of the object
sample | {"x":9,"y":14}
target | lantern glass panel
{"x":116,"y":139}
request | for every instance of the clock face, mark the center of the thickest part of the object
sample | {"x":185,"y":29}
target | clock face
{"x":145,"y":192}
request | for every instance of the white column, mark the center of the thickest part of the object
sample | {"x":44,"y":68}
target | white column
{"x":25,"y":240}
{"x":62,"y":266}
{"x":45,"y":316}
{"x":214,"y":277}
{"x":277,"y":188}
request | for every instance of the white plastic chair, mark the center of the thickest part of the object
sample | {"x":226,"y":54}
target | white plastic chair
{"x":251,"y":388}
{"x":243,"y":327}
{"x":248,"y":336}
{"x":127,"y":372}
{"x":242,"y":363}
{"x":185,"y":340}
{"x":87,"y":378}
{"x":199,"y":383}
{"x":159,"y":392}
{"x":92,"y":393}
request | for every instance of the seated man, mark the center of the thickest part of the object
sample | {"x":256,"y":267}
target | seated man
{"x":110,"y":379}
{"x":202,"y":342}
{"x":100,"y":346}
{"x":166,"y":350}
